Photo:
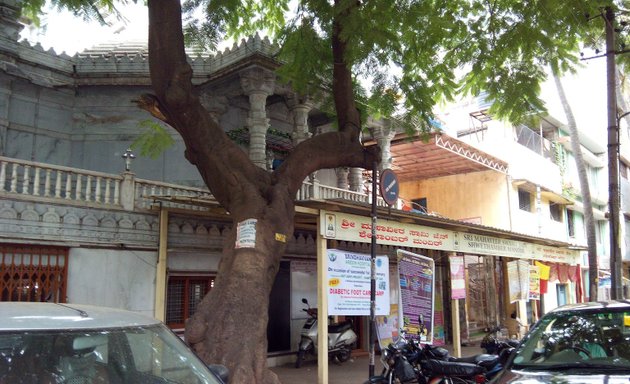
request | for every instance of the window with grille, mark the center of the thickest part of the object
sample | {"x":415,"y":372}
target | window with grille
{"x":183,"y":296}
{"x":524,"y":200}
{"x":555,"y":212}
{"x":33,"y":273}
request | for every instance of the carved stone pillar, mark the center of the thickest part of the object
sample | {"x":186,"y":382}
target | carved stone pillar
{"x":320,"y":129}
{"x":383,"y":133}
{"x":356,"y":179}
{"x":342,"y":177}
{"x":299,"y":107}
{"x":258,"y":84}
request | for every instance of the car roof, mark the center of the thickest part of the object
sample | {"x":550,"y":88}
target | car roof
{"x":43,"y":316}
{"x":594,"y":306}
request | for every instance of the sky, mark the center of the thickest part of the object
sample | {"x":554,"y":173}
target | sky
{"x":67,"y":33}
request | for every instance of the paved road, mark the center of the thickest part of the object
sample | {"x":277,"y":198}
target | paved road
{"x":353,"y":371}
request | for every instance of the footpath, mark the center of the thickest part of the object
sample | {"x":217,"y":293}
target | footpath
{"x":353,"y":371}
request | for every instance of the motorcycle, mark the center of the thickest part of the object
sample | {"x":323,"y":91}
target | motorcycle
{"x":493,"y":345}
{"x":341,"y":338}
{"x":496,"y":353}
{"x":405,"y":361}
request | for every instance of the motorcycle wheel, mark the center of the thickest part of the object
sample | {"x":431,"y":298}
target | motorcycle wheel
{"x":301,"y":355}
{"x":344,"y":355}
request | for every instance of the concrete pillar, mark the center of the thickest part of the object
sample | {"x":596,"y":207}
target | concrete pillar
{"x":258,"y":84}
{"x":128,"y":191}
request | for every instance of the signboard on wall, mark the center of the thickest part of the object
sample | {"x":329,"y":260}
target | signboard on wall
{"x":349,"y":283}
{"x":341,"y":226}
{"x":417,"y":288}
{"x":348,"y":227}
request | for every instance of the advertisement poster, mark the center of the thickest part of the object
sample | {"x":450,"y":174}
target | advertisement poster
{"x":388,"y":327}
{"x":246,"y":234}
{"x":349,"y":281}
{"x":458,"y":284}
{"x":439,"y":338}
{"x":534,"y":283}
{"x":518,"y":280}
{"x":416,"y":274}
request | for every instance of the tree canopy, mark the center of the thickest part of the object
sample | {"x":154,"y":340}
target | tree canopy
{"x":413,"y":54}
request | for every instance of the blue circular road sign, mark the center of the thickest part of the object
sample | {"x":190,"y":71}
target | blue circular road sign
{"x":389,"y":186}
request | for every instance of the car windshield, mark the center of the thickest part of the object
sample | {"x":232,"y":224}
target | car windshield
{"x":577,"y":340}
{"x":143,"y":354}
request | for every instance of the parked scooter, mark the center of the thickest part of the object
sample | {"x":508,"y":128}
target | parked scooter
{"x":341,"y":338}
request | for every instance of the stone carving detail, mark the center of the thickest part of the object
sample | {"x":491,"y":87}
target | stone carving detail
{"x":7,"y":212}
{"x":51,"y":216}
{"x":125,"y":222}
{"x":90,"y":220}
{"x":71,"y":218}
{"x":29,"y":214}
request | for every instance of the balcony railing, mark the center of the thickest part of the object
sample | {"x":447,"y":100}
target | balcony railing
{"x":35,"y":181}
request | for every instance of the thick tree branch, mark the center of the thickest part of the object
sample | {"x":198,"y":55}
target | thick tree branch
{"x":327,"y":150}
{"x":347,"y":114}
{"x":225,"y":168}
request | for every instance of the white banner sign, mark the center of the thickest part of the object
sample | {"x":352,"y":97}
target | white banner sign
{"x":349,"y":280}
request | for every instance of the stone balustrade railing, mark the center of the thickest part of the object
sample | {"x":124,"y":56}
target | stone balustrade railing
{"x":35,"y":181}
{"x":70,"y":185}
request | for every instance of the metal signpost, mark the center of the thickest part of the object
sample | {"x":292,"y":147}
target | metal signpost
{"x":389,"y":192}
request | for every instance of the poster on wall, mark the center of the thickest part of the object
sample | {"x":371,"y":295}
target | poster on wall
{"x":458,"y":284}
{"x":388,"y":327}
{"x":417,"y":286}
{"x":518,"y":280}
{"x":349,"y":283}
{"x":534,"y":283}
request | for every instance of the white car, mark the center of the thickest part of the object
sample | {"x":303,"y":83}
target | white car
{"x":79,"y":344}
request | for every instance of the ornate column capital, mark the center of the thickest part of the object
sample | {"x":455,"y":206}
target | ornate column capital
{"x":258,"y":80}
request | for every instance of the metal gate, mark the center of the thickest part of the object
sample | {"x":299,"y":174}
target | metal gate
{"x":33,"y":273}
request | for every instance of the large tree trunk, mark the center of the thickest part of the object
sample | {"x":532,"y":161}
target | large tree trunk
{"x":230,"y":325}
{"x":589,"y":219}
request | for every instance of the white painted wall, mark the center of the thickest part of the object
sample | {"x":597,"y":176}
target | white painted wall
{"x":120,"y":279}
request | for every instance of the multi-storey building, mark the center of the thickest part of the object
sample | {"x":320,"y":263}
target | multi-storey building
{"x":538,"y":192}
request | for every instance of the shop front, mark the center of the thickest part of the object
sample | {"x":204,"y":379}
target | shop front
{"x":496,"y":275}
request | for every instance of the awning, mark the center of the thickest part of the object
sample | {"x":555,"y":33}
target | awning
{"x":440,"y":155}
